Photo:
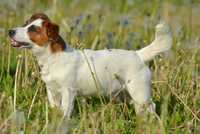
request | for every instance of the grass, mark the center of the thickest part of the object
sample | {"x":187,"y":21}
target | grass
{"x":127,"y":24}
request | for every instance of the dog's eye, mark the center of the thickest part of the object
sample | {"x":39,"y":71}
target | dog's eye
{"x":32,"y":28}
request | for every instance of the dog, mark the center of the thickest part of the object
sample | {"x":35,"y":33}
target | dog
{"x":68,"y":72}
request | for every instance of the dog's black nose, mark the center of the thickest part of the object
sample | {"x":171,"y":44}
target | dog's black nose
{"x":11,"y":33}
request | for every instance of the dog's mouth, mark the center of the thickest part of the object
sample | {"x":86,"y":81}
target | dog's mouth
{"x":17,"y":44}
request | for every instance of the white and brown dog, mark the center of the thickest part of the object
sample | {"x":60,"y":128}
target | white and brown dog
{"x":68,"y":72}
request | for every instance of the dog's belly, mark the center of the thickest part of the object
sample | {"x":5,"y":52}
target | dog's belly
{"x":95,"y":85}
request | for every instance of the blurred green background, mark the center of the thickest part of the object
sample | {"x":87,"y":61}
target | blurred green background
{"x":99,"y":24}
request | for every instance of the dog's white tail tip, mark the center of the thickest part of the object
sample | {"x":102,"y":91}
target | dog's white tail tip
{"x":161,"y":43}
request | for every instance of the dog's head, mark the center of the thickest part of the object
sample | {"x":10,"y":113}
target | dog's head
{"x":37,"y":32}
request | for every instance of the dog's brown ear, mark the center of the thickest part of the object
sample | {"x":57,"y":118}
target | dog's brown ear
{"x":52,"y":29}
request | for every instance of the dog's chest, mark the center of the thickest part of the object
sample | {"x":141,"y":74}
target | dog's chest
{"x":51,"y":73}
{"x":56,"y":73}
{"x":45,"y":73}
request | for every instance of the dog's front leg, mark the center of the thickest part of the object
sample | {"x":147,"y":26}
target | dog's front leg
{"x":50,"y":98}
{"x":67,"y":101}
{"x":66,"y":105}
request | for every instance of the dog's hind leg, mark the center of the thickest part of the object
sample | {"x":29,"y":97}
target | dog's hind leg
{"x":139,"y":88}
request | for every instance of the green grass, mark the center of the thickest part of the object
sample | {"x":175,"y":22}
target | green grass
{"x":127,"y":24}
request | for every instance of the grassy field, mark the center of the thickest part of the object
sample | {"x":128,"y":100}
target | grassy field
{"x":99,"y":24}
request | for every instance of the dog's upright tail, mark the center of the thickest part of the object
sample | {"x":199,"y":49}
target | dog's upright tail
{"x":161,"y":43}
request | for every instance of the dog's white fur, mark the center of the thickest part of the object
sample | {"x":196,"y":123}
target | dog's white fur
{"x":89,"y":72}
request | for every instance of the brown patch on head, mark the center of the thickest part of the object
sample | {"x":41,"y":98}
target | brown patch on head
{"x":38,"y":35}
{"x":47,"y":33}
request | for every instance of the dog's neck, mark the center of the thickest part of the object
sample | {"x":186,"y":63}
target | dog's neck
{"x":42,"y":54}
{"x":52,"y":48}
